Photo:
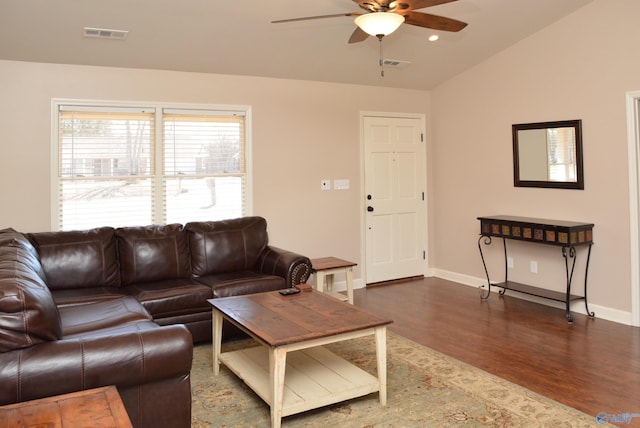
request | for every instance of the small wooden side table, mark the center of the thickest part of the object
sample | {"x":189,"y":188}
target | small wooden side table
{"x":325,"y":268}
{"x":92,"y":408}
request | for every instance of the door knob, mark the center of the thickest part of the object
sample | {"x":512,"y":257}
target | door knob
{"x":370,"y":208}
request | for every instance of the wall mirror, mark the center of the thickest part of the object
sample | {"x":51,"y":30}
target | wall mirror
{"x":548,"y":154}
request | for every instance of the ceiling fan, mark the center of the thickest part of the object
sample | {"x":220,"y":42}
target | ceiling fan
{"x":394,"y":11}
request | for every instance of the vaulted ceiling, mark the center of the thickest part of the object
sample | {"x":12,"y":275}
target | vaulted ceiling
{"x":237,"y":37}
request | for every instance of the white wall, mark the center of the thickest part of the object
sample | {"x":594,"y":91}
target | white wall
{"x":302,"y":132}
{"x":578,"y":68}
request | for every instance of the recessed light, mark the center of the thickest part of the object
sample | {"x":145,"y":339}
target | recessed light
{"x":433,"y":37}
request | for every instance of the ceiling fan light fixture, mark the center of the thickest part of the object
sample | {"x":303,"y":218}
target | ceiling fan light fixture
{"x":379,"y":23}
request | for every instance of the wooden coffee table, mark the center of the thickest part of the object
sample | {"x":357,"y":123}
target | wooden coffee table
{"x":302,"y":323}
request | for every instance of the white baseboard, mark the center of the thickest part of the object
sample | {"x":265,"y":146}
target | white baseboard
{"x":602,"y":312}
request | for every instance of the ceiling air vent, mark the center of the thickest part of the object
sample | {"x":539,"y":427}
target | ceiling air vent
{"x":103,"y":33}
{"x":394,"y":63}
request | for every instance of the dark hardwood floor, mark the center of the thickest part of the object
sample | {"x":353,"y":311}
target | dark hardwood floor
{"x":592,"y":365}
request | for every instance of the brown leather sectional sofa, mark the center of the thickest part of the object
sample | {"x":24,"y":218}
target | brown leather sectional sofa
{"x":123,"y":307}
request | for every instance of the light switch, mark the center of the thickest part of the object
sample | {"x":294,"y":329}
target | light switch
{"x":342,"y":184}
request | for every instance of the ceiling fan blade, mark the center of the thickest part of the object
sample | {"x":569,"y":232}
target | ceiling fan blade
{"x":307,"y":18}
{"x":358,"y":36}
{"x":434,"y":22}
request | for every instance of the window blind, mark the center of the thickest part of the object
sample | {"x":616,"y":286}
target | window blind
{"x":105,"y":168}
{"x":122,"y":166}
{"x":561,"y":149}
{"x":204,"y":167}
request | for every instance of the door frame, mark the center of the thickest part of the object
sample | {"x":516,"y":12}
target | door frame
{"x":363,"y":221}
{"x":633,"y":138}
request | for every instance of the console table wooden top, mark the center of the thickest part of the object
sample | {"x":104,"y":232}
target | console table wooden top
{"x":544,"y":231}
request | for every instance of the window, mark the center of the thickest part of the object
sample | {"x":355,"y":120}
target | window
{"x":123,"y":166}
{"x":561,"y":154}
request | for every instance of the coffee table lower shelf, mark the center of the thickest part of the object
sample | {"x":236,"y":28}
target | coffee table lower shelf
{"x":314,"y":377}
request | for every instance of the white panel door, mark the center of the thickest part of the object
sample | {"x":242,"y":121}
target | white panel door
{"x":395,"y":198}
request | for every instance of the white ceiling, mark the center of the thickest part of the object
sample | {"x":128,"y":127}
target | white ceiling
{"x":237,"y":37}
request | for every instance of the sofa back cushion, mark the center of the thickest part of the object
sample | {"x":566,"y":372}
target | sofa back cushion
{"x":227,"y":245}
{"x":28,"y":314}
{"x":153,"y":253}
{"x":78,"y":259}
{"x":11,"y":236}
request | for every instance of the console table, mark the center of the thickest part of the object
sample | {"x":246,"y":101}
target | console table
{"x":564,"y":234}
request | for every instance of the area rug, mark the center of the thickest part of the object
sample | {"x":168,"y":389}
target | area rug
{"x":425,"y":389}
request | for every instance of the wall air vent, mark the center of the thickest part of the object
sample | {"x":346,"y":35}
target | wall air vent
{"x":394,"y":63}
{"x":103,"y":33}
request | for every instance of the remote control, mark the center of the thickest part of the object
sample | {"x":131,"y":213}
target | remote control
{"x":288,"y":291}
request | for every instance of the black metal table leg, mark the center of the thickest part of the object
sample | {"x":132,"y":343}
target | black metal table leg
{"x":506,"y":267}
{"x":487,"y":241}
{"x":572,"y":255}
{"x":586,"y":272}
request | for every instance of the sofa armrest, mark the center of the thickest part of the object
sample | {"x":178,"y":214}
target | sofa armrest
{"x":295,"y":268}
{"x":132,"y":354}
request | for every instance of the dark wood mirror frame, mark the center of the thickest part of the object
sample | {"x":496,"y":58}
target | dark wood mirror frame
{"x":518,"y":181}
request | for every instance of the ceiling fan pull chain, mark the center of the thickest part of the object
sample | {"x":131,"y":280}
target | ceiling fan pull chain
{"x":381,"y":58}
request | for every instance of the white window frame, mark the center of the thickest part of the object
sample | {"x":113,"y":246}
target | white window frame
{"x":159,"y":152}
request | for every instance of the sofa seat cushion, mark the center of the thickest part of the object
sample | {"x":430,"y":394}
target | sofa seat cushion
{"x":80,"y":319}
{"x":28,"y":314}
{"x":81,"y":296}
{"x":163,"y":299}
{"x":78,"y":259}
{"x":241,"y":282}
{"x":153,"y":253}
{"x":113,"y":331}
